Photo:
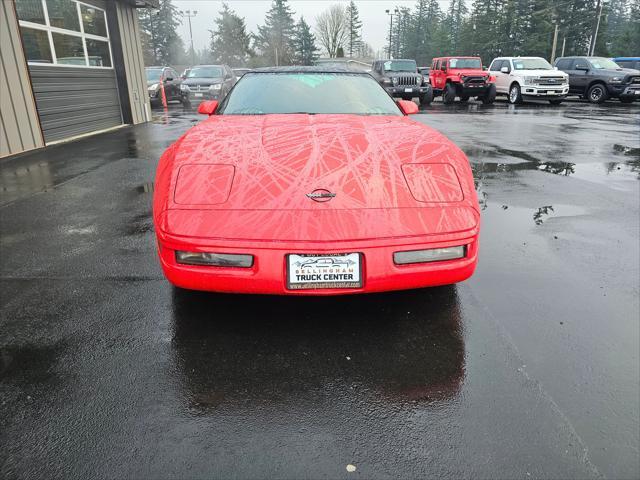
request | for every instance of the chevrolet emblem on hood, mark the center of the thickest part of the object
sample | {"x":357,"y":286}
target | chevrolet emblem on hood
{"x":321,"y":195}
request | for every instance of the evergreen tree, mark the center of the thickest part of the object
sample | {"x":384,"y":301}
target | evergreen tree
{"x":230,"y":42}
{"x":274,"y":39}
{"x":305,"y":51}
{"x":355,"y":29}
{"x":161,"y":43}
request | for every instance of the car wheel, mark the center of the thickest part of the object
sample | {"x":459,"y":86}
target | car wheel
{"x":627,"y":99}
{"x":597,"y":93}
{"x":464,"y":98}
{"x":555,"y":102}
{"x":489,"y":97}
{"x":449,"y":94}
{"x":515,"y":95}
{"x":427,"y":98}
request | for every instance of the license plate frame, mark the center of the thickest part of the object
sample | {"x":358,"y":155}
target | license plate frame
{"x":198,"y":95}
{"x":408,"y":90}
{"x":337,"y":264}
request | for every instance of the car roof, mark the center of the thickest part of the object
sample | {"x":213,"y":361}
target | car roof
{"x":626,"y":58}
{"x":508,"y":58}
{"x":325,"y":68}
{"x":455,"y":56}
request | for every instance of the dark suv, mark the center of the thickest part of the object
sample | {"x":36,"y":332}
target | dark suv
{"x":400,"y":78}
{"x":208,"y":82}
{"x":167,"y":77}
{"x":598,"y":78}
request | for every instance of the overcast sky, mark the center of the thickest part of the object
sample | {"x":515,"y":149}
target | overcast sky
{"x":375,"y":22}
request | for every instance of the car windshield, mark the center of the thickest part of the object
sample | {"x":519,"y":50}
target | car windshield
{"x":308,"y":92}
{"x":603,"y":63}
{"x":400,"y":66}
{"x":531,"y":64}
{"x":153,"y":74}
{"x":205,"y":72}
{"x":465,"y":63}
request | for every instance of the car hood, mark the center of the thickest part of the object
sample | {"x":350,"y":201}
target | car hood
{"x":245,"y":172}
{"x":540,"y":73}
{"x":202,"y":80}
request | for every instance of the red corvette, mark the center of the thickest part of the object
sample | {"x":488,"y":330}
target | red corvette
{"x":314,"y":181}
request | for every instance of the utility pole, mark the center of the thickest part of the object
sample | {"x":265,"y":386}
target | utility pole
{"x":190,"y":14}
{"x":388,"y":12}
{"x":596,"y":26}
{"x":564,"y":42}
{"x":555,"y":42}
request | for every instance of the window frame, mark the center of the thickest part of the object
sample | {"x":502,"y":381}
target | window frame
{"x":83,"y":36}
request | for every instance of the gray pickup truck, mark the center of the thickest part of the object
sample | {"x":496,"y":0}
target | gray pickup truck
{"x":598,"y":78}
{"x":400,"y":78}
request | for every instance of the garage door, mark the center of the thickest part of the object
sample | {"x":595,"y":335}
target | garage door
{"x":73,"y":101}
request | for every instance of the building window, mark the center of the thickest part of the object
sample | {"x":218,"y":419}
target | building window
{"x":64,"y":32}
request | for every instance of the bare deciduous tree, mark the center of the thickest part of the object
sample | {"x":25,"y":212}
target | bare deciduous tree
{"x":332,"y":27}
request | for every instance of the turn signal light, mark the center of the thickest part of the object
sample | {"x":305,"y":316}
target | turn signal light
{"x":431,"y":255}
{"x":215,"y":259}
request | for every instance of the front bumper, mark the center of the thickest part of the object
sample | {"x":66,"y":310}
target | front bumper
{"x":268,"y":273}
{"x":401,"y":91}
{"x":632,"y":90}
{"x":545,"y":90}
{"x":205,"y":95}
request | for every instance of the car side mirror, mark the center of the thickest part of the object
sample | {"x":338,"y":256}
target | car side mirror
{"x":168,"y":79}
{"x":208,"y":107}
{"x":408,"y":107}
{"x":504,"y":69}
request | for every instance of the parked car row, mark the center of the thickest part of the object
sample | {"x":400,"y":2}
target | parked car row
{"x":518,"y":78}
{"x":197,"y":83}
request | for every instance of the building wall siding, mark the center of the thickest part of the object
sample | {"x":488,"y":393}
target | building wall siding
{"x":133,"y":62}
{"x":19,"y":125}
{"x":74,"y":101}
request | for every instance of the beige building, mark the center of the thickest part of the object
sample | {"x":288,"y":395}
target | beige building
{"x":69,"y":68}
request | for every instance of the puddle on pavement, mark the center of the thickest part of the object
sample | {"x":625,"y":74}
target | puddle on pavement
{"x":531,"y":217}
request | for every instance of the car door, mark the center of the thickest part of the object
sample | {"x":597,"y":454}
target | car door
{"x":495,"y":69}
{"x":175,"y":83}
{"x":581,"y":70}
{"x":167,"y":81}
{"x":439,"y":74}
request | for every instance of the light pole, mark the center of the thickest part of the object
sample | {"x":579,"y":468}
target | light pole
{"x":391,"y":14}
{"x":190,"y":14}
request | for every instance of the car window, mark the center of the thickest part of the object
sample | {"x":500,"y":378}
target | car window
{"x":531,"y":64}
{"x":400,"y":66}
{"x":308,"y":92}
{"x":603,"y":63}
{"x":205,"y":72}
{"x":563,"y":64}
{"x":153,"y":74}
{"x":465,"y":63}
{"x":495,"y":66}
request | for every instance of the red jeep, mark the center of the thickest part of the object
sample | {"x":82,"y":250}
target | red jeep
{"x":461,"y":77}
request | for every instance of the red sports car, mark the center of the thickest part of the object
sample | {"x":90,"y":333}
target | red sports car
{"x":313,"y":181}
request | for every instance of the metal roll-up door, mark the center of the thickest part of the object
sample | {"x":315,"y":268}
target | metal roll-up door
{"x":74,"y":101}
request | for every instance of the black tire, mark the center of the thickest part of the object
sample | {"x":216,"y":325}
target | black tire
{"x":449,"y":94}
{"x":555,"y":102}
{"x":597,"y":93}
{"x":464,"y":98}
{"x":427,"y":98}
{"x":489,"y":97}
{"x":515,"y":94}
{"x":627,"y":99}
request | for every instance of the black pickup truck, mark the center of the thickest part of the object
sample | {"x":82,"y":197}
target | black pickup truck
{"x":400,"y":78}
{"x":598,"y":78}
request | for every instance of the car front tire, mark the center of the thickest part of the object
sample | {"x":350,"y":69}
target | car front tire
{"x":515,"y":94}
{"x":597,"y":93}
{"x":427,"y":98}
{"x":449,"y":94}
{"x":489,"y":97}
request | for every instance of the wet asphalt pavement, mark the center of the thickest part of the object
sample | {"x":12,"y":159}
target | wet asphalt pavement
{"x":528,"y":369}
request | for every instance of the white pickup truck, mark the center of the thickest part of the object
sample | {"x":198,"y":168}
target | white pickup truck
{"x":520,"y":78}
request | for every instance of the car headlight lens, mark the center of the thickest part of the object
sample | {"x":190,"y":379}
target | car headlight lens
{"x":395,"y":80}
{"x":214,"y":259}
{"x":615,"y":80}
{"x":431,"y":255}
{"x":215,"y":86}
{"x":184,"y":88}
{"x":153,"y":87}
{"x":529,"y":80}
{"x":386,"y":81}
